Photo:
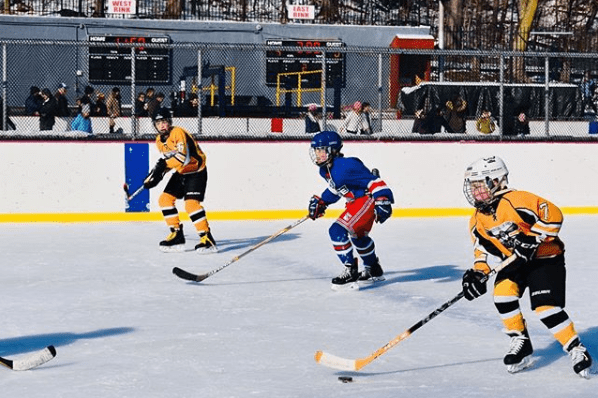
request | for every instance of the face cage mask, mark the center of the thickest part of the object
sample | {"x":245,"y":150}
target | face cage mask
{"x":480,"y":193}
{"x":314,"y":156}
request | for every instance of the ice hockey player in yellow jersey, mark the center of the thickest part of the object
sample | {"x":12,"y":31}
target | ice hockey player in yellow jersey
{"x":506,"y":222}
{"x":180,"y":153}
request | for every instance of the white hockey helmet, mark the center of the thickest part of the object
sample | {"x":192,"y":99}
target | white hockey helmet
{"x":483,"y":179}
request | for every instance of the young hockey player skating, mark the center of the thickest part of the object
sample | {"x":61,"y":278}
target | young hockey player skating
{"x":368,"y":198}
{"x":509,"y":222}
{"x":181,"y":153}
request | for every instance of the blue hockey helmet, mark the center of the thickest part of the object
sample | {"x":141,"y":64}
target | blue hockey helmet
{"x":325,"y":146}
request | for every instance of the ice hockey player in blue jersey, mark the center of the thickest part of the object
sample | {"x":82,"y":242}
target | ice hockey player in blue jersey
{"x":368,"y":199}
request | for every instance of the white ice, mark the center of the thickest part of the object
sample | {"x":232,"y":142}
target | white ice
{"x":125,"y":326}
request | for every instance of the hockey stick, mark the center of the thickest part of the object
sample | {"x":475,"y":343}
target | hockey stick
{"x":30,"y":361}
{"x":198,"y":278}
{"x":128,"y":195}
{"x":335,"y":362}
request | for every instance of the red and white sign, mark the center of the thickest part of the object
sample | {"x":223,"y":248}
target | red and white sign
{"x":122,"y":6}
{"x":301,"y":12}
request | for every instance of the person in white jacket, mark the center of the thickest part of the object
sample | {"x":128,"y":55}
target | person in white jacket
{"x":354,"y":123}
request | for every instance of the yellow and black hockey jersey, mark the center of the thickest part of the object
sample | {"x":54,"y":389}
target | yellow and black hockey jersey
{"x":181,"y":151}
{"x":516,"y":211}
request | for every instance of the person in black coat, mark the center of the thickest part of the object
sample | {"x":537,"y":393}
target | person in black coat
{"x":33,"y":102}
{"x":48,"y":110}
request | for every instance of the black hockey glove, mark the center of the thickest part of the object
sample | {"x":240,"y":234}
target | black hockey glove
{"x":525,"y":246}
{"x":474,"y":284}
{"x":382,"y":209}
{"x":317,"y":207}
{"x":155,"y":176}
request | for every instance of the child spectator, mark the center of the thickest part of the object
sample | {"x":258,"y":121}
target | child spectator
{"x":485,"y":123}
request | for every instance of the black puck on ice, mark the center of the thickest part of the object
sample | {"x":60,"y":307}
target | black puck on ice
{"x":345,"y":379}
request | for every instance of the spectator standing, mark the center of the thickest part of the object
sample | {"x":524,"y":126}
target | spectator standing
{"x":155,"y":105}
{"x":150,"y":96}
{"x":189,"y":108}
{"x":33,"y":102}
{"x":418,"y":122}
{"x":48,"y":110}
{"x":353,"y":124}
{"x":114,"y":106}
{"x":140,"y":110}
{"x":62,"y":105}
{"x":485,"y":123}
{"x":522,"y":124}
{"x":83,"y":120}
{"x":366,"y":108}
{"x":88,"y":98}
{"x":312,"y":125}
{"x":588,"y":87}
{"x":100,"y":108}
{"x":456,"y":110}
{"x":62,"y":102}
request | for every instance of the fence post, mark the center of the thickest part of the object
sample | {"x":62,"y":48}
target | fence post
{"x":199,"y":92}
{"x":323,"y":88}
{"x":546,"y":93}
{"x":134,"y":124}
{"x":4,"y":86}
{"x":379,"y":94}
{"x":501,"y":91}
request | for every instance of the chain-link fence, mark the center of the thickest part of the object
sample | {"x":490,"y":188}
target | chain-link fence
{"x":263,"y":92}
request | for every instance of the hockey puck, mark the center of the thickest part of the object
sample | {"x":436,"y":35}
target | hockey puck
{"x":345,"y":379}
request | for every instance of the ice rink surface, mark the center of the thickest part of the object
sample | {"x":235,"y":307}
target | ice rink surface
{"x":125,"y":326}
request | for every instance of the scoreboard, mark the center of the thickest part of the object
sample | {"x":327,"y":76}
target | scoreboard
{"x":309,"y":58}
{"x":112,"y":64}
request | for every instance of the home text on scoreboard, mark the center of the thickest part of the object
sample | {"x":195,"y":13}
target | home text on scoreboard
{"x":111,"y":64}
{"x":308,"y":58}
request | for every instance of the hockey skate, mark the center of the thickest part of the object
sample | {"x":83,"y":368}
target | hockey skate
{"x":518,"y":357}
{"x":371,"y":274}
{"x":580,"y":358}
{"x":175,"y":242}
{"x":347,"y":279}
{"x":207,"y":243}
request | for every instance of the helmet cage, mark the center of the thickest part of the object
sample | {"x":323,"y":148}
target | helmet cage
{"x":484,"y":179}
{"x":327,"y":143}
{"x":314,"y":154}
{"x":481,"y":193}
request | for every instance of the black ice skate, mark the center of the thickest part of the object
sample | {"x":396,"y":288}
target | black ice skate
{"x":175,"y":242}
{"x":520,"y":351}
{"x":345,"y":280}
{"x":207,"y":243}
{"x":371,"y":274}
{"x":580,"y":358}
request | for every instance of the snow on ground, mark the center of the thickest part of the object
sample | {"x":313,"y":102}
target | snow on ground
{"x":124,"y":326}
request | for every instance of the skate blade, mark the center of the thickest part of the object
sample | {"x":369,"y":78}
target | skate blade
{"x":586,"y":373}
{"x":172,"y":249}
{"x":371,"y":281}
{"x":347,"y":287}
{"x":207,"y":250}
{"x":518,"y":367}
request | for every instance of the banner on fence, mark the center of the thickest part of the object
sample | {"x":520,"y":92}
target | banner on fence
{"x":122,"y":6}
{"x":301,"y":12}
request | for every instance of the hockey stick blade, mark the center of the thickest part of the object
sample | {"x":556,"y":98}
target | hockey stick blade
{"x":335,"y":362}
{"x":30,"y":361}
{"x":181,"y":273}
{"x":198,"y":278}
{"x":128,"y":195}
{"x":332,"y":361}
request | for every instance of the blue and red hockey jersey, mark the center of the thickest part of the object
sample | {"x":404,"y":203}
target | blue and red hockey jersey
{"x":349,"y":178}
